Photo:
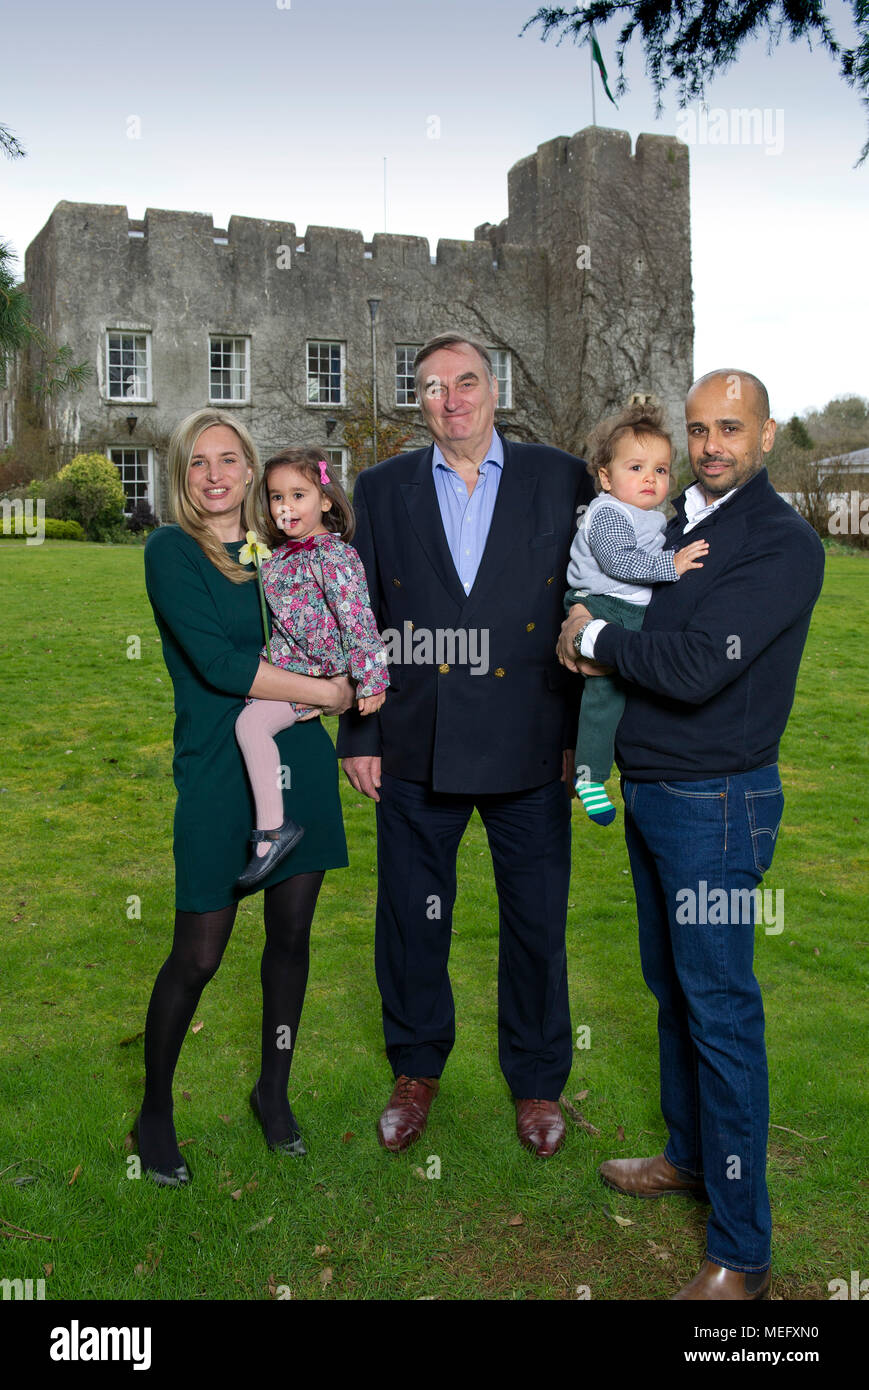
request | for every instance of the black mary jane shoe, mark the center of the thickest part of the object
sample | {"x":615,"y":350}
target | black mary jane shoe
{"x":176,"y":1177}
{"x":281,"y":842}
{"x":293,"y":1145}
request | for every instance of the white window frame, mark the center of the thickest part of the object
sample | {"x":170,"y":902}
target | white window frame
{"x":146,"y":393}
{"x":336,"y":455}
{"x":149,"y":464}
{"x":502,"y":365}
{"x":312,"y":378}
{"x":233,"y":338}
{"x":413,"y":349}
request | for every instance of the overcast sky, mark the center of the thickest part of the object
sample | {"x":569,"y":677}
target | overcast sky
{"x":286,"y":109}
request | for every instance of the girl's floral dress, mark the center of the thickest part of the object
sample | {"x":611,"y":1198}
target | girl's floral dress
{"x":322,"y":624}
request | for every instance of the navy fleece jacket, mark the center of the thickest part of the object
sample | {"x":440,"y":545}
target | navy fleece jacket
{"x":711,"y":675}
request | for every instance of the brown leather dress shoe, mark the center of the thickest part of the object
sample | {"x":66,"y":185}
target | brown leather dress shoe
{"x":540,"y":1126}
{"x":648,"y":1177}
{"x":403,"y":1120}
{"x":714,"y":1281}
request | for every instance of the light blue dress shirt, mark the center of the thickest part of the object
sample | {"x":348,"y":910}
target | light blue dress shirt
{"x":466,"y":518}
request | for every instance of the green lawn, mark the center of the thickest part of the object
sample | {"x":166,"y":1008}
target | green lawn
{"x":87,"y":801}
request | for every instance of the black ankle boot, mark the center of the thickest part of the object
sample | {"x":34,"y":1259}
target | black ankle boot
{"x":293,"y":1145}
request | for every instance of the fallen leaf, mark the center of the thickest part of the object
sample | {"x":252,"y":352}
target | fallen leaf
{"x":419,"y":1173}
{"x":49,"y":1270}
{"x":345,"y":1138}
{"x":273,"y":1286}
{"x":182,"y":1143}
{"x":326,"y":1276}
{"x":236,"y":1194}
{"x":817,"y":952}
{"x":322,"y":1250}
{"x":197,"y":1027}
{"x":225,"y":1119}
{"x":581,"y":1095}
{"x":129,"y":1143}
{"x":76,"y":1174}
{"x":260,"y":1225}
{"x":660,"y":1252}
{"x":619,"y":1220}
{"x":140,"y":1269}
{"x":516,"y":1220}
{"x":251,"y":1186}
{"x":620,"y":1132}
{"x":186,"y":1095}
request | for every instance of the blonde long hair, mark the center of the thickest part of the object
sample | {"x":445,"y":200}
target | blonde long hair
{"x":185,"y":513}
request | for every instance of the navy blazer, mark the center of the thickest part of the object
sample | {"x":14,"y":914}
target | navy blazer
{"x":451,"y":718}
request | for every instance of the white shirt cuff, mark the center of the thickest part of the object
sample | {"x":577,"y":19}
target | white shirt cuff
{"x":589,"y":637}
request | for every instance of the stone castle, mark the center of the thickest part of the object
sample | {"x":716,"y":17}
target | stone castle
{"x":583,"y":293}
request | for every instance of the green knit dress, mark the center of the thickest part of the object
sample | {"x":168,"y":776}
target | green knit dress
{"x":211,"y":631}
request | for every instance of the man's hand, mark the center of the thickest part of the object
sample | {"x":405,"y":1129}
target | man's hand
{"x":568,"y":769}
{"x":565,"y":651}
{"x":369,"y":704}
{"x":364,"y":775}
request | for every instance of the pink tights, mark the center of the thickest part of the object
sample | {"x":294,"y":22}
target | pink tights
{"x":255,"y":729}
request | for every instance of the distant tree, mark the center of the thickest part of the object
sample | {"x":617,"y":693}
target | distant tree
{"x":690,"y":42}
{"x":796,"y":433}
{"x":54,"y":369}
{"x":359,"y":427}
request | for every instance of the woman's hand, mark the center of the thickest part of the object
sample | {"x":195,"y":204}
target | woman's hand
{"x":343,"y":697}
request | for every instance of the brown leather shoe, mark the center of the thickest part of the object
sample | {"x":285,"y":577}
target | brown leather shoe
{"x":540,"y":1126}
{"x":648,"y":1177}
{"x":403,"y":1120}
{"x":714,"y":1281}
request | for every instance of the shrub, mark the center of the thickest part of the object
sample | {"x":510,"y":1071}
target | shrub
{"x":88,"y":490}
{"x":55,"y":530}
{"x":141,"y":518}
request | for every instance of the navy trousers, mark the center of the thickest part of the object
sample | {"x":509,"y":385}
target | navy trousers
{"x":418,"y":835}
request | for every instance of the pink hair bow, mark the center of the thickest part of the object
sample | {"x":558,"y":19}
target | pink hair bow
{"x":324,"y":476}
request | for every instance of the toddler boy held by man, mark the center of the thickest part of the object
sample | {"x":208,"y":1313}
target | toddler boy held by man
{"x":617,"y":553}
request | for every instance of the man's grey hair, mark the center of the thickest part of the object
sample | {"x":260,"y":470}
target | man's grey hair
{"x":447,"y":340}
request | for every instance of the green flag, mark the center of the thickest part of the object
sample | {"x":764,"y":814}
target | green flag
{"x":598,"y":58}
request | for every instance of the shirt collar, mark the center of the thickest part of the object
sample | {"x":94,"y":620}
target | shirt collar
{"x":696,"y":505}
{"x":495,"y":454}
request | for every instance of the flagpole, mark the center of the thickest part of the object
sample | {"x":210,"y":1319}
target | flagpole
{"x":591,"y":73}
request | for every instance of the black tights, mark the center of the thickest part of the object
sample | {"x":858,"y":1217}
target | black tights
{"x":197,"y":949}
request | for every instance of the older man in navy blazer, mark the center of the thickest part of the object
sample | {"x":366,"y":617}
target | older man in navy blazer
{"x":465,"y":545}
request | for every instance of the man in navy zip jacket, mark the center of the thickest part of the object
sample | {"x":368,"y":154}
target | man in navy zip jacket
{"x":465,"y":545}
{"x":710,"y":681}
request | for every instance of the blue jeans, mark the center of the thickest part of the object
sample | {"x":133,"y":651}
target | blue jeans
{"x":685,"y":841}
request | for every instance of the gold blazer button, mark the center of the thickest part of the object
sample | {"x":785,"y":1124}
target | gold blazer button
{"x":397,"y":583}
{"x":529,"y":627}
{"x":443,"y":669}
{"x":549,"y":580}
{"x":499,"y":671}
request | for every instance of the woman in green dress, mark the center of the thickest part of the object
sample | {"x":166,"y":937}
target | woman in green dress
{"x":207,"y":610}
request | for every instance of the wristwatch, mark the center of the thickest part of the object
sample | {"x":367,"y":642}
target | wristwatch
{"x":577,"y":637}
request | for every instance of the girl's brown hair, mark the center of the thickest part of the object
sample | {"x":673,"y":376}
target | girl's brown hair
{"x":642,"y":421}
{"x":339,"y":518}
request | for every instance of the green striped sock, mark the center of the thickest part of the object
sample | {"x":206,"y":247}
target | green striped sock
{"x":598,"y":806}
